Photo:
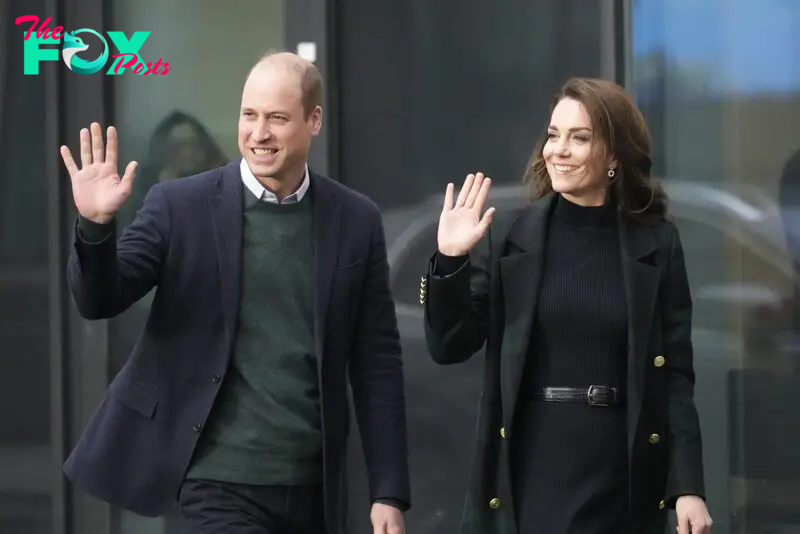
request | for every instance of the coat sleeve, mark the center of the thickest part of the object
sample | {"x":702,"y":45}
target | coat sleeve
{"x":455,"y":300}
{"x":107,"y":275}
{"x":685,"y":475}
{"x":377,"y":379}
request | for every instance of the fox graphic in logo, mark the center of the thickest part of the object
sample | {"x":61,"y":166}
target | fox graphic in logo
{"x":73,"y":44}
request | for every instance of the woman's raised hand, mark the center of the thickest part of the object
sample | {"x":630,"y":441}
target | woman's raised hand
{"x":463,"y":224}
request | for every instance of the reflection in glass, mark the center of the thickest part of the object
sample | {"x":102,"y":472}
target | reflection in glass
{"x":719,"y":84}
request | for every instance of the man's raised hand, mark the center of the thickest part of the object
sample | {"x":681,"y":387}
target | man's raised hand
{"x":97,"y":189}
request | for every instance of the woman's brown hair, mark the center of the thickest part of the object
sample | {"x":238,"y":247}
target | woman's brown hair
{"x":621,"y":130}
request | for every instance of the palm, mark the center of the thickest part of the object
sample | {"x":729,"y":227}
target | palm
{"x":462,"y":223}
{"x":97,"y":188}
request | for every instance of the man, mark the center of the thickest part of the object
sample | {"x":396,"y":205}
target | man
{"x":271,"y":281}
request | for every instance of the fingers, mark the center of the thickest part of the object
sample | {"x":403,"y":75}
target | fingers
{"x":385,"y":528}
{"x":482,"y":194}
{"x":86,"y":148}
{"x":111,"y":146}
{"x":683,"y":524}
{"x":486,"y":220}
{"x":703,"y":526}
{"x":98,"y":153}
{"x":465,"y":189}
{"x":129,"y":176}
{"x":448,"y":197}
{"x":473,"y":193}
{"x":474,"y":190}
{"x":379,"y":527}
{"x":69,"y":163}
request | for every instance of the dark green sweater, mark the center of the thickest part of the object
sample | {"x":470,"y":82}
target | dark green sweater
{"x":266,"y":427}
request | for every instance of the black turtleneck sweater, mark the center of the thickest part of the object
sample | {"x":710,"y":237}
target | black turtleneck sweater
{"x":570,"y":459}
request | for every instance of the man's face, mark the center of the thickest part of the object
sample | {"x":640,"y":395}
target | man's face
{"x":274,"y":131}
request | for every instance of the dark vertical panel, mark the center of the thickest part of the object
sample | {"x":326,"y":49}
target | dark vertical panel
{"x":87,"y":98}
{"x":57,"y":188}
{"x":621,"y":40}
{"x":309,"y":21}
{"x":30,"y":498}
{"x":4,"y":34}
{"x":429,"y":93}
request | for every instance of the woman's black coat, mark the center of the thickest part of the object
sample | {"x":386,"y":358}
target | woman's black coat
{"x":491,"y":300}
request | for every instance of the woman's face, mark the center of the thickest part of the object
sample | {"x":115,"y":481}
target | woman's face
{"x":186,"y":149}
{"x":574,"y":171}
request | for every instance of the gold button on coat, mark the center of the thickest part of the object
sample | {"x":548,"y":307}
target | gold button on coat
{"x":659,"y":361}
{"x":654,"y":438}
{"x":503,"y":432}
{"x":661,"y":505}
{"x":495,"y":503}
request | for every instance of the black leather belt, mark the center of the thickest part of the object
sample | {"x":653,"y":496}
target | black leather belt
{"x":593,"y":395}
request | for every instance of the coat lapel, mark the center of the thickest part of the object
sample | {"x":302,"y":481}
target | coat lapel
{"x":226,"y":205}
{"x":327,"y":220}
{"x":520,"y":274}
{"x":641,"y":278}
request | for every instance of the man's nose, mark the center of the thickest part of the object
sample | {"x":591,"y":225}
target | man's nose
{"x":261,"y":131}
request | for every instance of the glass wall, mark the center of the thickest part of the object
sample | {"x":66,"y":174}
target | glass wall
{"x":719,"y":83}
{"x":428,"y":94}
{"x":26,"y":453}
{"x":183,"y":122}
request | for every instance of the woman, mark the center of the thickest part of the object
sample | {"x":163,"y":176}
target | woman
{"x":181,"y":146}
{"x":587,"y":421}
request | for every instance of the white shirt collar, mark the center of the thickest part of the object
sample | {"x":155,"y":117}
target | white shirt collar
{"x":264,"y":194}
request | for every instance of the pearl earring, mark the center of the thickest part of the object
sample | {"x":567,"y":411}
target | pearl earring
{"x":610,"y":173}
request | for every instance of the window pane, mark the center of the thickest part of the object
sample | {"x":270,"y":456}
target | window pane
{"x":719,"y":83}
{"x":26,"y":462}
{"x":184,"y":121}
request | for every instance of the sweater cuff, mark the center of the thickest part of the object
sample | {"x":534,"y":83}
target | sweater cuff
{"x":444,"y":266}
{"x":396,"y":503}
{"x":92,"y":232}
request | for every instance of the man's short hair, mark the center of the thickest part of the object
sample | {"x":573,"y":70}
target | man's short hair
{"x":311,"y":83}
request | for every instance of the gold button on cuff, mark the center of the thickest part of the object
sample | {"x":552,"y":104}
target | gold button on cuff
{"x":495,"y":503}
{"x":654,"y":438}
{"x":661,"y":505}
{"x":659,"y":361}
{"x":503,"y":432}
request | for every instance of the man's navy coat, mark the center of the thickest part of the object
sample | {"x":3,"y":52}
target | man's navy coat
{"x":187,"y":241}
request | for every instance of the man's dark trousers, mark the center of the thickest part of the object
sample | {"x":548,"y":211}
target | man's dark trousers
{"x":209,"y":507}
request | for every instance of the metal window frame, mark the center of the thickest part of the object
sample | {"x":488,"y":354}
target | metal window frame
{"x":80,"y":352}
